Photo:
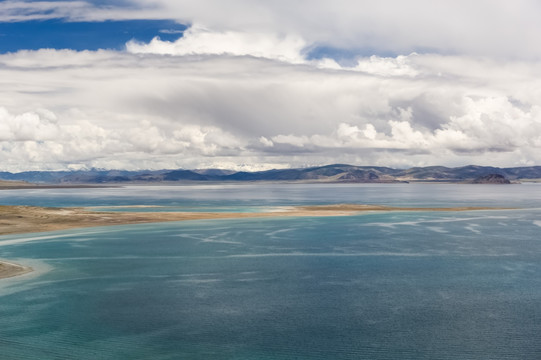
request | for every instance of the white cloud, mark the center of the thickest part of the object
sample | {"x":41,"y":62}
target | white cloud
{"x":401,"y":27}
{"x":26,"y":10}
{"x":238,"y":88}
{"x":200,"y":41}
{"x":33,"y":141}
{"x":376,"y":65}
{"x":481,"y":28}
{"x":27,"y":126}
{"x":213,"y":102}
{"x":266,"y":142}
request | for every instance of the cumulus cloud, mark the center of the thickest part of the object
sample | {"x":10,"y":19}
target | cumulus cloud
{"x":460,"y":27}
{"x":70,"y":109}
{"x":244,"y":93}
{"x":376,"y":65}
{"x":35,"y":140}
{"x":481,"y":28}
{"x":201,"y":41}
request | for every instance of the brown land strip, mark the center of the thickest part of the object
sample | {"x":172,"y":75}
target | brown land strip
{"x":28,"y":219}
{"x":8,"y":269}
{"x":18,"y":185}
{"x":33,"y":186}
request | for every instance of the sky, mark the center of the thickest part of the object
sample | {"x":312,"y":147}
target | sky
{"x":256,"y":85}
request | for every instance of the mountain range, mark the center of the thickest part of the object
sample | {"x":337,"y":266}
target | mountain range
{"x":329,"y":173}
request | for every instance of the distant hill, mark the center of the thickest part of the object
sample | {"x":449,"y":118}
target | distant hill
{"x":339,"y":173}
{"x":491,"y":179}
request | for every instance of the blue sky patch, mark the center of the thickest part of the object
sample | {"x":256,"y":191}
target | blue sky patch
{"x":58,"y":34}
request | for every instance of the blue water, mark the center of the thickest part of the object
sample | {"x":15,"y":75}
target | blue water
{"x":409,"y":285}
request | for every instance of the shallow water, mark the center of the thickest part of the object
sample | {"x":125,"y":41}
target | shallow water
{"x":417,"y":285}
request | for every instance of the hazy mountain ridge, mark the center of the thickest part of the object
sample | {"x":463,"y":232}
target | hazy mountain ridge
{"x":329,"y":173}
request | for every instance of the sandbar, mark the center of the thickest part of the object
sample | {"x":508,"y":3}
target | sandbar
{"x":9,"y":269}
{"x":29,"y":219}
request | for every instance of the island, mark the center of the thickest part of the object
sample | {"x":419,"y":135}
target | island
{"x":497,"y":179}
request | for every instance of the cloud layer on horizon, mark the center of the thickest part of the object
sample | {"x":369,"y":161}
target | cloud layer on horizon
{"x":243,"y":92}
{"x":109,"y":109}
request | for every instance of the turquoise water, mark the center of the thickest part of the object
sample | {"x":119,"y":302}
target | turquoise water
{"x":417,"y":285}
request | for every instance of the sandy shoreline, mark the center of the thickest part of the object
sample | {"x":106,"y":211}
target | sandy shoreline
{"x":9,"y":269}
{"x":29,"y":219}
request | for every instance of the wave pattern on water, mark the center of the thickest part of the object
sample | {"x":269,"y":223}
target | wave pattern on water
{"x":376,"y":286}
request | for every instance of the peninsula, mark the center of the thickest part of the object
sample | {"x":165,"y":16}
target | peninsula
{"x":29,"y":219}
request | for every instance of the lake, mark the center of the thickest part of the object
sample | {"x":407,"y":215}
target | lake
{"x":396,"y":285}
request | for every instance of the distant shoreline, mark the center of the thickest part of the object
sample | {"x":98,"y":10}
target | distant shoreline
{"x":30,"y":186}
{"x":52,"y":186}
{"x":32,"y":219}
{"x":331,"y":173}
